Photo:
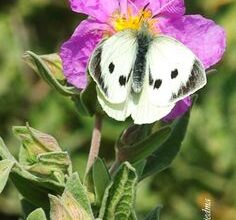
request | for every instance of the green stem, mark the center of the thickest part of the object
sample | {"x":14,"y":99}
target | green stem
{"x":95,"y":142}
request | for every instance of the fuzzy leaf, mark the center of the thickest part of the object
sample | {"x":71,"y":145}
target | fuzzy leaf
{"x":66,"y":208}
{"x":34,"y":143}
{"x":41,"y":154}
{"x":73,"y":204}
{"x":33,"y":188}
{"x":118,"y":200}
{"x":154,"y":214}
{"x":54,"y":63}
{"x":4,"y":152}
{"x":139,"y":151}
{"x":53,"y":165}
{"x":77,"y":190}
{"x":167,"y":152}
{"x":5,"y":169}
{"x":42,"y":68}
{"x":57,"y":209}
{"x":37,"y":214}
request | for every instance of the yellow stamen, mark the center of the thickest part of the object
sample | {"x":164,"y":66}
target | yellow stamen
{"x":134,"y":22}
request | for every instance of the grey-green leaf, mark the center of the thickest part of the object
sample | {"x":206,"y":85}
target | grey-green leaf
{"x":145,"y":148}
{"x":58,"y":211}
{"x":154,"y":214}
{"x":4,"y":152}
{"x":5,"y":169}
{"x":86,"y":101}
{"x":167,"y":152}
{"x":75,"y":187}
{"x":118,"y":200}
{"x":40,"y":66}
{"x":37,"y":214}
{"x":101,"y":179}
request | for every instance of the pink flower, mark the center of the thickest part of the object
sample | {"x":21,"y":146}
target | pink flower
{"x":206,"y":39}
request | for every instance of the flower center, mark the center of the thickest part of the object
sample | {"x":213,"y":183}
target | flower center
{"x":143,"y":18}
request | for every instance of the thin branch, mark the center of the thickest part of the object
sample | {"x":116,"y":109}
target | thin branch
{"x":95,"y":142}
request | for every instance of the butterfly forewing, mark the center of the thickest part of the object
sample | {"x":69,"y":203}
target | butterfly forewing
{"x":173,"y":71}
{"x":111,"y":66}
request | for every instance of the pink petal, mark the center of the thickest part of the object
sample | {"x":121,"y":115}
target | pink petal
{"x":76,"y":52}
{"x":137,"y":5}
{"x":168,"y":8}
{"x":206,"y":39}
{"x":180,"y":109}
{"x":99,"y":9}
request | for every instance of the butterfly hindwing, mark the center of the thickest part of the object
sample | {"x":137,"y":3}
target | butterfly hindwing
{"x":111,"y":66}
{"x":174,"y":71}
{"x":144,"y":111}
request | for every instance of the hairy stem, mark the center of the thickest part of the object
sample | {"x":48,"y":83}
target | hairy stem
{"x":95,"y":142}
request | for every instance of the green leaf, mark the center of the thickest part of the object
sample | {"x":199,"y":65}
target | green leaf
{"x":143,"y":149}
{"x":78,"y":191}
{"x":134,"y":134}
{"x":73,"y":204}
{"x":54,"y":63}
{"x":101,"y":179}
{"x":37,"y":214}
{"x":41,"y":154}
{"x":139,"y":167}
{"x":4,"y":152}
{"x":167,"y":152}
{"x":53,"y":165}
{"x":66,"y":208}
{"x":86,"y":101}
{"x":27,"y":207}
{"x":32,"y":191}
{"x":41,"y":67}
{"x":118,"y":200}
{"x":154,"y":214}
{"x":57,"y":209}
{"x":34,"y":143}
{"x":33,"y":188}
{"x":5,"y":169}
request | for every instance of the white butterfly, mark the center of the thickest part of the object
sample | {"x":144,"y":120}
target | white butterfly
{"x":143,"y":76}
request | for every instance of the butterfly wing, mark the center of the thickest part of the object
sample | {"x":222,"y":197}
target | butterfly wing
{"x":143,"y":110}
{"x":118,"y":111}
{"x":174,"y":72}
{"x":111,"y":66}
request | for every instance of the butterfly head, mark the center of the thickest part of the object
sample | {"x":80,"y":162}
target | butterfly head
{"x":142,"y":20}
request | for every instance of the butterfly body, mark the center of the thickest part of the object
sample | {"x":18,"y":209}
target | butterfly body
{"x":143,"y":42}
{"x":142,"y":75}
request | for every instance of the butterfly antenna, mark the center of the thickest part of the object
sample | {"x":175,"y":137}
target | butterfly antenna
{"x":145,"y":7}
{"x":143,"y":10}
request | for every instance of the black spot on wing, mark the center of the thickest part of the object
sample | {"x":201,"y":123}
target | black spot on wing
{"x":96,"y":63}
{"x":129,"y":75}
{"x":192,"y":81}
{"x":157,"y":84}
{"x":97,"y":70}
{"x":174,"y":74}
{"x":102,"y":85}
{"x":150,"y":78}
{"x":122,"y":80}
{"x":111,"y":67}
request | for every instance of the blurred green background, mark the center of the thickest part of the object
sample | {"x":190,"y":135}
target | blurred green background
{"x":206,"y":166}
